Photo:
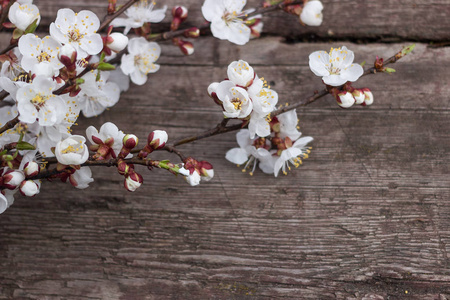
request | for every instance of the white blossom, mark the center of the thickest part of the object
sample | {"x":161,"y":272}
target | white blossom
{"x":36,"y":101}
{"x":235,"y":100}
{"x":240,"y":73}
{"x":140,"y":60}
{"x":247,"y":153}
{"x":139,"y":14}
{"x":72,"y":151}
{"x":288,"y":125}
{"x":107,"y":131}
{"x":81,"y":178}
{"x":79,"y":30}
{"x":311,"y":14}
{"x":97,"y":95}
{"x":23,"y":15}
{"x":40,"y":52}
{"x":226,"y":20}
{"x":292,"y":155}
{"x":335,"y":67}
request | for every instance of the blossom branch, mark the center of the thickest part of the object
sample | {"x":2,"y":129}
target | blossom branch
{"x":9,"y":124}
{"x":92,"y":163}
{"x":262,"y":10}
{"x":109,"y":18}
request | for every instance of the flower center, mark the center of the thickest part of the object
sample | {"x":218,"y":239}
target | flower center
{"x":237,"y":103}
{"x":44,"y":56}
{"x":75,"y":35}
{"x":144,"y":63}
{"x":230,"y":17}
{"x":72,"y":149}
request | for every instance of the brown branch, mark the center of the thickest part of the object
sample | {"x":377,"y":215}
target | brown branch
{"x":3,"y":95}
{"x":9,"y":124}
{"x":109,"y":18}
{"x":222,"y":128}
{"x":92,"y":163}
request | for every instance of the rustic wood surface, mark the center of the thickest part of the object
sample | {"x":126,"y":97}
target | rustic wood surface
{"x":366,"y":217}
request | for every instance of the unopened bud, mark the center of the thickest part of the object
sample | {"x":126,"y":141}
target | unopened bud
{"x":133,"y":181}
{"x":31,"y":169}
{"x":117,"y":41}
{"x":186,"y":47}
{"x":192,"y":32}
{"x":130,"y":141}
{"x":67,"y":55}
{"x":29,"y":188}
{"x":123,"y":168}
{"x":311,"y":14}
{"x":369,"y":97}
{"x":157,"y":139}
{"x":359,"y":96}
{"x":206,"y":171}
{"x":180,"y":12}
{"x":12,"y":179}
{"x":345,"y":99}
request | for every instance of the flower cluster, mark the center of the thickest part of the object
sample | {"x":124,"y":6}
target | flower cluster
{"x":245,"y":96}
{"x":273,"y":153}
{"x":338,"y":71}
{"x":271,"y":142}
{"x":83,"y":65}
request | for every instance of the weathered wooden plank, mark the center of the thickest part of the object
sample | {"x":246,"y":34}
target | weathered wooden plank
{"x":366,"y":217}
{"x":386,"y":20}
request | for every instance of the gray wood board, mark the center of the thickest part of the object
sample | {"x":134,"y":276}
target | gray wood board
{"x":365,"y":217}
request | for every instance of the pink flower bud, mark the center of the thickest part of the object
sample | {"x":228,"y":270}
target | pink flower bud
{"x":130,"y":141}
{"x":186,"y":47}
{"x":180,"y":12}
{"x":192,"y":32}
{"x":12,"y":179}
{"x":119,"y":41}
{"x":157,"y":139}
{"x":67,"y":55}
{"x":368,"y":97}
{"x":29,"y":188}
{"x":359,"y":96}
{"x":31,"y":169}
{"x":123,"y":168}
{"x":345,"y":99}
{"x":206,"y":171}
{"x":133,"y":181}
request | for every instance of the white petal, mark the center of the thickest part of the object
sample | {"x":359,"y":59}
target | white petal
{"x":237,"y":156}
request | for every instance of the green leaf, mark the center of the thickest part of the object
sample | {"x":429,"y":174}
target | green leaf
{"x":105,"y":66}
{"x":363,"y":63}
{"x":32,"y":27}
{"x":408,"y":49}
{"x":25,"y":146}
{"x":389,"y":70}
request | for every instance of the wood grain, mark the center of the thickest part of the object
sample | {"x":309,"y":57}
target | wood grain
{"x":366,"y":217}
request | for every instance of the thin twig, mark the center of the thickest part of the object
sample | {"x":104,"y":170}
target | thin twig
{"x":109,"y":18}
{"x":9,"y":124}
